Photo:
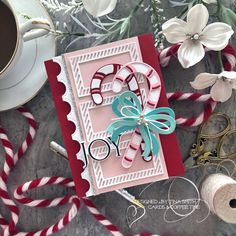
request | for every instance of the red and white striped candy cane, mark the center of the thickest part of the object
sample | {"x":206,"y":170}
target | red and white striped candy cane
{"x":152,"y":101}
{"x":228,"y":56}
{"x":209,"y":107}
{"x":104,"y":72}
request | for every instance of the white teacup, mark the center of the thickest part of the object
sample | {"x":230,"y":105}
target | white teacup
{"x":13,"y":35}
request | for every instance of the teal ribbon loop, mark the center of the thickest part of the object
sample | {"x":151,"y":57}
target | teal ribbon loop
{"x":149,"y":123}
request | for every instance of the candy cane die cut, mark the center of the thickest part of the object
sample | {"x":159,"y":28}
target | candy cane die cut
{"x":152,"y":101}
{"x":102,"y":74}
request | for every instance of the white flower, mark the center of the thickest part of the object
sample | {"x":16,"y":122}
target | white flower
{"x":99,"y":8}
{"x":223,"y":84}
{"x":210,"y":1}
{"x":195,"y":34}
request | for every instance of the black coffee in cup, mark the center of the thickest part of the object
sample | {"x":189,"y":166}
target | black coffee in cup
{"x":8,"y":35}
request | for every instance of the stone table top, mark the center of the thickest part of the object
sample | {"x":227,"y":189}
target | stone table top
{"x":39,"y":161}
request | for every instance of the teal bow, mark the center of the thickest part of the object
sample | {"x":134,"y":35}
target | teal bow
{"x":157,"y":121}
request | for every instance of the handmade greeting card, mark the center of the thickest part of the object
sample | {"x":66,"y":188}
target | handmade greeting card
{"x":117,"y":126}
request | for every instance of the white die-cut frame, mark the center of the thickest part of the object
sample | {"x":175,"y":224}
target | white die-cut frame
{"x":76,"y":61}
{"x":100,"y":180}
{"x":82,"y":91}
{"x":86,"y":107}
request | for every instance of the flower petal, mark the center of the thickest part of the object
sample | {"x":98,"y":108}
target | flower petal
{"x":190,"y":53}
{"x":197,"y":19}
{"x":221,"y":91}
{"x":234,"y":83}
{"x":216,"y":36}
{"x":99,"y":8}
{"x":175,"y":30}
{"x":204,"y":80}
{"x":231,"y":75}
{"x":228,"y":74}
{"x":210,"y":1}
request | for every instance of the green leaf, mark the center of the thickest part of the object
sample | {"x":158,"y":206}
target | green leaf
{"x":124,"y":26}
{"x":227,"y":16}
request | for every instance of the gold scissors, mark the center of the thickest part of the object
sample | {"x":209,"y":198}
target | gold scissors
{"x":198,"y":153}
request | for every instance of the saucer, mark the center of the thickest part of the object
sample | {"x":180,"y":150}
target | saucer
{"x":28,"y":75}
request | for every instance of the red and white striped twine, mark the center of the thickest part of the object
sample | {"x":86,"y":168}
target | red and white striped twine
{"x":10,"y":228}
{"x":228,"y":56}
{"x":229,"y":63}
{"x":19,"y":196}
{"x":99,"y":217}
{"x":10,"y":162}
{"x":46,"y":203}
{"x":4,"y":195}
{"x":209,"y":107}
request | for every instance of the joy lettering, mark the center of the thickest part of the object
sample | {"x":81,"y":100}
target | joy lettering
{"x":106,"y":142}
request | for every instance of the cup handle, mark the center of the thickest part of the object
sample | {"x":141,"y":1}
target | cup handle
{"x":39,"y":27}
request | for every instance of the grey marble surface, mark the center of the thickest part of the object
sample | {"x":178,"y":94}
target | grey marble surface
{"x":39,"y":161}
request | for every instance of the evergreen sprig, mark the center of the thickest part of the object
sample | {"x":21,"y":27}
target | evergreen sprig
{"x":157,"y":19}
{"x":71,"y":7}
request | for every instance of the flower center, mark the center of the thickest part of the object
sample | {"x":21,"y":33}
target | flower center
{"x":225,"y":79}
{"x":195,"y":36}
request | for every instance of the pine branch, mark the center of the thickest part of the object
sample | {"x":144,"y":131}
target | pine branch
{"x":157,"y":19}
{"x":54,"y":6}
